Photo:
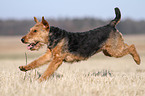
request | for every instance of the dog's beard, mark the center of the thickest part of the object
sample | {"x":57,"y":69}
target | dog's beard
{"x":34,"y":46}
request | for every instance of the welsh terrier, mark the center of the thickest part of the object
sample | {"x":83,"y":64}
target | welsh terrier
{"x":75,"y":46}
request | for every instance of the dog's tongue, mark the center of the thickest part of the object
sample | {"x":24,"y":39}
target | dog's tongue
{"x":29,"y":46}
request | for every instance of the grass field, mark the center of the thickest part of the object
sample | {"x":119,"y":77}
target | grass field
{"x":98,"y":76}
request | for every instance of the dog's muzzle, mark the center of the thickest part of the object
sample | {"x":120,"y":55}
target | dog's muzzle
{"x":23,"y":40}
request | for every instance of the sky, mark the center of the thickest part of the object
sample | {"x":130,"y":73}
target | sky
{"x":103,"y":9}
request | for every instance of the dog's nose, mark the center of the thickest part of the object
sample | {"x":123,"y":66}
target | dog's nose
{"x":23,"y":40}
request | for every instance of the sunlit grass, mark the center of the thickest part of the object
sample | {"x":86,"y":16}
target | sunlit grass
{"x":98,"y":76}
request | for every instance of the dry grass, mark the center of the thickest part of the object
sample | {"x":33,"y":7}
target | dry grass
{"x":86,"y":78}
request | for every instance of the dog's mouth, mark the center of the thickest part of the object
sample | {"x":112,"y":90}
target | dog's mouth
{"x":34,"y":46}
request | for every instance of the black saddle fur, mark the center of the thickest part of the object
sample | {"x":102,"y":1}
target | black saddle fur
{"x":84,"y":44}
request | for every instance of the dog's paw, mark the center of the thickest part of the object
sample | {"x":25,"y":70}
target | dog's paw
{"x":41,"y":79}
{"x":22,"y":68}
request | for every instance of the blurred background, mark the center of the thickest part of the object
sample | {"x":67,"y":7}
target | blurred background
{"x":16,"y":18}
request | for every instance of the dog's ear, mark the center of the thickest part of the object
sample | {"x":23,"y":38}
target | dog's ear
{"x":35,"y":19}
{"x":45,"y":23}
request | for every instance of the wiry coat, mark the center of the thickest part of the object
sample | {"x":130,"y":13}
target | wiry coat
{"x":71,"y":47}
{"x":83,"y":44}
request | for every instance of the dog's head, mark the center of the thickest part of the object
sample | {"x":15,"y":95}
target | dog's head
{"x":38,"y":35}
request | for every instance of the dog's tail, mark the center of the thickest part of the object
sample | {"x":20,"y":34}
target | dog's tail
{"x":117,"y":18}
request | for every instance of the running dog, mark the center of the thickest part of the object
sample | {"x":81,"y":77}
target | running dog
{"x":63,"y":46}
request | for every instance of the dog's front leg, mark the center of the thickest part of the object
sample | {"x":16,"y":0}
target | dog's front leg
{"x":38,"y":62}
{"x":54,"y":64}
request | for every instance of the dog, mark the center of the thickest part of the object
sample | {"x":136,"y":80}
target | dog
{"x":63,"y":46}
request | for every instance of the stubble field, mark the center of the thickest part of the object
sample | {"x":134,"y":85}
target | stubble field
{"x":98,"y":76}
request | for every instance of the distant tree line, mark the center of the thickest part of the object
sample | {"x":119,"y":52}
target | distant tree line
{"x":21,"y":27}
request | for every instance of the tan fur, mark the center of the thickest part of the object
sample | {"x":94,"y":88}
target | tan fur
{"x":39,"y":62}
{"x":42,"y":35}
{"x":115,"y":47}
{"x":72,"y":58}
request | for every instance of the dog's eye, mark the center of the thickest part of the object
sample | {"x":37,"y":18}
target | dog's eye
{"x":35,"y":31}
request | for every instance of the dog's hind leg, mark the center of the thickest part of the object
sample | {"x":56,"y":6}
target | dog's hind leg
{"x":38,"y":62}
{"x":134,"y":54}
{"x":115,"y":47}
